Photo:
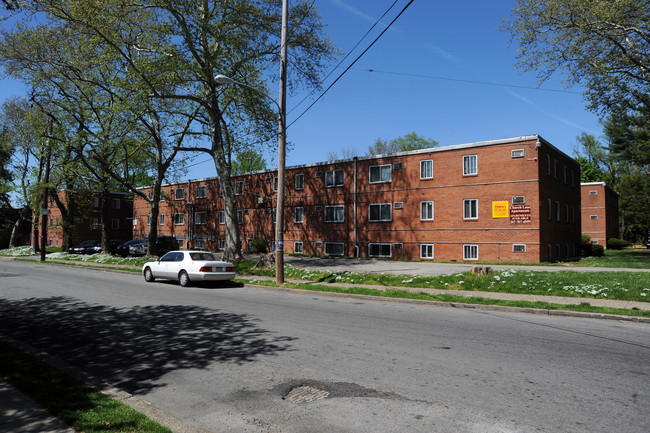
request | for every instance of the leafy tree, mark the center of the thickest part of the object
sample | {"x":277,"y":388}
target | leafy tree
{"x":601,"y":44}
{"x":248,"y":161}
{"x":634,"y":203}
{"x":629,"y":136}
{"x":6,"y":177}
{"x":346,"y":152}
{"x":589,"y":170}
{"x":596,"y":161}
{"x":410,"y":141}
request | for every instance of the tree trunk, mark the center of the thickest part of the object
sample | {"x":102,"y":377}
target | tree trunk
{"x":16,"y":232}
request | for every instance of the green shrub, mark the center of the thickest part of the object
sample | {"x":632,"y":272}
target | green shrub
{"x":258,"y":246}
{"x":597,"y":250}
{"x":617,"y":244}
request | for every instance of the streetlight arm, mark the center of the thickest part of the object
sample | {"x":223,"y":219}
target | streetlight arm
{"x":222,"y":79}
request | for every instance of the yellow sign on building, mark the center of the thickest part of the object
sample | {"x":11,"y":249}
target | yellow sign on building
{"x":500,"y":209}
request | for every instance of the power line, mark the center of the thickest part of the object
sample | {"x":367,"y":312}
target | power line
{"x":433,"y":77}
{"x":352,"y":64}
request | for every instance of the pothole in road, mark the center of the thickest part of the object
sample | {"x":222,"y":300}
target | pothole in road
{"x":307,"y":391}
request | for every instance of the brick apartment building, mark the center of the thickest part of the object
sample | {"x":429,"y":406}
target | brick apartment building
{"x":515,"y":199}
{"x":119,"y":207}
{"x":599,"y":212}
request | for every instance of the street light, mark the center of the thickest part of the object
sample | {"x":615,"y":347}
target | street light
{"x":282,"y":140}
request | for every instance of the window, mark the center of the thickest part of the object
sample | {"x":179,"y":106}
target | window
{"x":566,"y":213}
{"x":200,"y":218}
{"x":566,"y":175}
{"x":221,"y":244}
{"x":334,"y":248}
{"x":199,"y":244}
{"x":469,"y":165}
{"x":517,"y":153}
{"x":240,"y":216}
{"x":426,"y":210}
{"x":379,"y":250}
{"x":519,"y":199}
{"x":557,"y":211}
{"x":201,"y":191}
{"x":426,"y":169}
{"x":548,"y":165}
{"x":549,"y":208}
{"x":116,"y":203}
{"x":51,"y":222}
{"x":334,"y":214}
{"x":161,"y":219}
{"x":297,"y":247}
{"x":299,"y":214}
{"x":593,"y":217}
{"x":115,"y":224}
{"x":555,"y":174}
{"x":572,"y":179}
{"x":334,"y":178}
{"x":573,"y":214}
{"x":470,"y":252}
{"x":519,"y":248}
{"x":318,"y":244}
{"x":239,"y":188}
{"x":470,"y":209}
{"x":149,"y":219}
{"x":593,"y":192}
{"x":135,"y":221}
{"x":299,"y":181}
{"x":426,"y":251}
{"x":380,"y":173}
{"x":162,"y":195}
{"x":222,"y":217}
{"x":149,"y":195}
{"x":275,"y":183}
{"x":179,"y":219}
{"x":179,"y":194}
{"x":381,"y":212}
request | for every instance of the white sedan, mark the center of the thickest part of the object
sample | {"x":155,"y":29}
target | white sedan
{"x":188,"y":267}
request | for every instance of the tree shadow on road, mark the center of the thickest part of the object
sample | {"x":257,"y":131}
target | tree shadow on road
{"x":132,"y":348}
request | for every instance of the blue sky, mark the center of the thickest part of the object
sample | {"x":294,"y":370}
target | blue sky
{"x":426,"y":68}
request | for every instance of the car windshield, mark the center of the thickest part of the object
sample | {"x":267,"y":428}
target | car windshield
{"x":202,"y":256}
{"x":87,"y":243}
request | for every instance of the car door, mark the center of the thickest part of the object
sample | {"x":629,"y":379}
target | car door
{"x":174,"y":266}
{"x":162,"y":269}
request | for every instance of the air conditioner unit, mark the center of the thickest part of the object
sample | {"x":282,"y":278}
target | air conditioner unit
{"x":398,"y":205}
{"x":517,"y":153}
{"x":399,"y":246}
{"x":398,"y":166}
{"x":519,"y":200}
{"x":318,"y":244}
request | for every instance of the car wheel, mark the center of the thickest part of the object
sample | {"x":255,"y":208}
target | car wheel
{"x":184,"y":279}
{"x":148,"y":275}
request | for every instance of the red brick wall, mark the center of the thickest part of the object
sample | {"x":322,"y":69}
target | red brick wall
{"x":599,"y":212}
{"x":499,"y":178}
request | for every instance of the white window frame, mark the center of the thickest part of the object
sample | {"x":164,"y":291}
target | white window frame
{"x":426,"y":169}
{"x":334,"y":217}
{"x":179,"y":195}
{"x":222,"y":217}
{"x":161,"y":219}
{"x":117,"y":203}
{"x":518,"y":248}
{"x":275,"y":183}
{"x":380,"y":173}
{"x":470,"y":252}
{"x":299,"y":215}
{"x":299,"y":181}
{"x":240,"y":216}
{"x":425,"y":215}
{"x":200,"y":218}
{"x":221,"y":244}
{"x":297,"y":248}
{"x":328,"y":244}
{"x":470,"y":169}
{"x":203,"y":191}
{"x":426,"y":251}
{"x":558,"y":215}
{"x":239,"y":187}
{"x":331,"y":178}
{"x":471,"y":216}
{"x":179,"y":219}
{"x":382,"y":245}
{"x":199,"y":244}
{"x":381,"y":208}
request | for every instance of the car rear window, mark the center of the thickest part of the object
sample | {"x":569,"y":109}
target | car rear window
{"x":202,"y":256}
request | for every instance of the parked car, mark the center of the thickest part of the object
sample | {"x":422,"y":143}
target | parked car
{"x":164,"y":244}
{"x":83,"y":247}
{"x":187,"y":267}
{"x":112,"y":248}
{"x":123,"y":248}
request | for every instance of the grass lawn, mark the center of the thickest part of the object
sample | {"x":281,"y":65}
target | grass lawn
{"x":637,"y":258}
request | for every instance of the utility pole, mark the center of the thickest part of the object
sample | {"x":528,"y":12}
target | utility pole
{"x":279,"y":213}
{"x":46,"y":181}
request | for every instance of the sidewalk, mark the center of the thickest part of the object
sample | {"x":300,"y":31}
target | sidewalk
{"x":20,"y":414}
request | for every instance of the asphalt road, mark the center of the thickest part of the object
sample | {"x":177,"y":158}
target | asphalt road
{"x":223,"y":358}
